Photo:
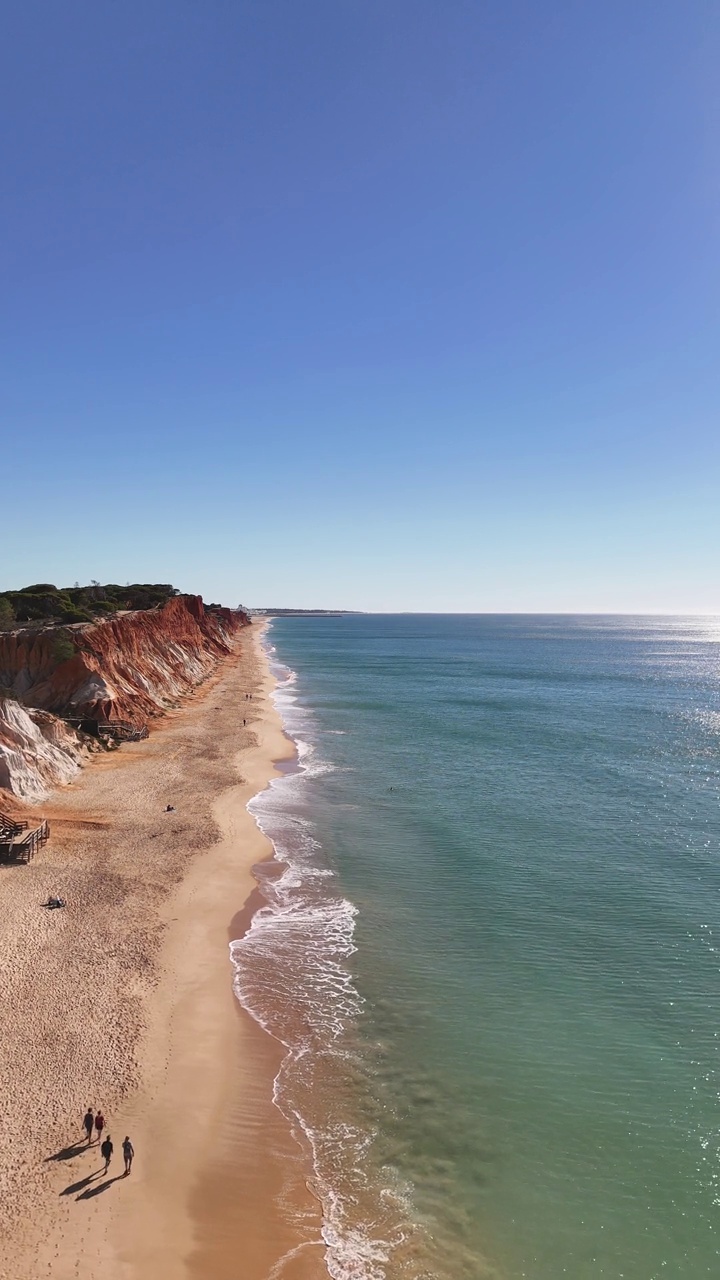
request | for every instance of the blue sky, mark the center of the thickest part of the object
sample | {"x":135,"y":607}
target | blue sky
{"x":407,"y":305}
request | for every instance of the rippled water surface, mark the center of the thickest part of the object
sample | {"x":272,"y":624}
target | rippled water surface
{"x":491,"y":944}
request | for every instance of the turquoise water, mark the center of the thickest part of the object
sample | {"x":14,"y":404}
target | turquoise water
{"x":492,"y":951}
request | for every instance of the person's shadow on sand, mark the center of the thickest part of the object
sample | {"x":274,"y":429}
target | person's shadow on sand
{"x":97,"y":1191}
{"x":78,"y":1186}
{"x":67,"y":1153}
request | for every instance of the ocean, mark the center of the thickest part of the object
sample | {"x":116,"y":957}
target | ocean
{"x":491,"y":942}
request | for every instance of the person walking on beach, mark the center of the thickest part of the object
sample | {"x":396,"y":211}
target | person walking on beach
{"x":106,"y":1151}
{"x":128,"y":1154}
{"x":88,"y":1122}
{"x":99,"y":1124}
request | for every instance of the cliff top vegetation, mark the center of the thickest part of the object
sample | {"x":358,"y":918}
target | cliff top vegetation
{"x":44,"y":602}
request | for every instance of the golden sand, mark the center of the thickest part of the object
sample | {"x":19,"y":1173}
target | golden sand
{"x":123,"y":1000}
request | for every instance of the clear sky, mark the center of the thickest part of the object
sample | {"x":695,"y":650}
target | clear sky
{"x":380,"y":304}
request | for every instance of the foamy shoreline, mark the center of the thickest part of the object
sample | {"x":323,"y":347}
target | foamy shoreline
{"x":131,"y":986}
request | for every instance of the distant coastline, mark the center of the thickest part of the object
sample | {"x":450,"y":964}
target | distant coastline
{"x":304,"y":613}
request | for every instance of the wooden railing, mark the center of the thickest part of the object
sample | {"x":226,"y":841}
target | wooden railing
{"x":123,"y":730}
{"x":22,"y":847}
{"x":120,"y":730}
{"x":9,"y":828}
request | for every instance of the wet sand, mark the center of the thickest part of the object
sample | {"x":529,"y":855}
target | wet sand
{"x":123,"y":1000}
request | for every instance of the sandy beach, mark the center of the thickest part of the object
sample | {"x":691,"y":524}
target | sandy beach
{"x":123,"y":1001}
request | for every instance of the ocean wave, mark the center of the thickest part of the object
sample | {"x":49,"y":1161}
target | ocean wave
{"x":291,"y":973}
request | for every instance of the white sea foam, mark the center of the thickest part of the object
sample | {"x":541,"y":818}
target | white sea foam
{"x":291,"y":973}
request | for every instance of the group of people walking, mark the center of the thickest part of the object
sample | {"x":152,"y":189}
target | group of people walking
{"x":96,"y":1122}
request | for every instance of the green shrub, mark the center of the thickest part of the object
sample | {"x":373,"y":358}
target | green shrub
{"x":44,"y":602}
{"x":63,"y":649}
{"x":7,"y":614}
{"x":72,"y":614}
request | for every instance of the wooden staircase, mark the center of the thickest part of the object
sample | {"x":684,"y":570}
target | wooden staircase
{"x":119,"y":730}
{"x":17,"y":842}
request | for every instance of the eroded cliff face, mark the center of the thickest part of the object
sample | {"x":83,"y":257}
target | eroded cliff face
{"x":130,"y":667}
{"x":37,"y":751}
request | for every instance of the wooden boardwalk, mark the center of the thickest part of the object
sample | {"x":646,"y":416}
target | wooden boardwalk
{"x":18,"y":843}
{"x":123,"y":730}
{"x":120,"y":730}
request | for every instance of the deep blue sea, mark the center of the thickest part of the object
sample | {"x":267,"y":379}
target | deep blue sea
{"x":492,"y":942}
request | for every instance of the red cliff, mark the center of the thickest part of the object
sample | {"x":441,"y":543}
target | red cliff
{"x":130,"y":667}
